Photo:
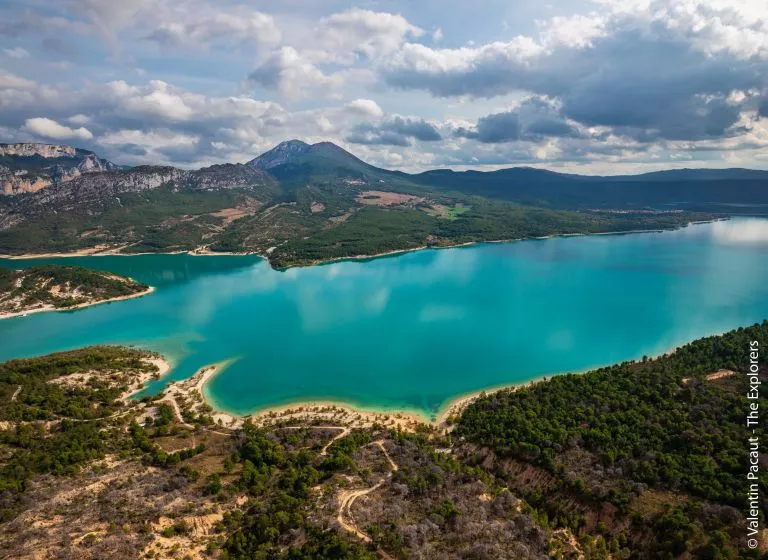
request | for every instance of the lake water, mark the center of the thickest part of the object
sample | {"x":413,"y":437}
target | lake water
{"x":415,"y":330}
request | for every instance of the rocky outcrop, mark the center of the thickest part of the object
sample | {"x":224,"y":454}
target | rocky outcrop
{"x":17,"y":182}
{"x":96,"y":189}
{"x":31,"y":167}
{"x":42,"y":150}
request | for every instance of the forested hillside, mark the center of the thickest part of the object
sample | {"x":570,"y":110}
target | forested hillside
{"x":665,"y":438}
{"x":60,"y":287}
{"x":640,"y":460}
{"x":300,"y":204}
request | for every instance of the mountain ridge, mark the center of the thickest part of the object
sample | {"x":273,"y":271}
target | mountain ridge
{"x":299,"y":153}
{"x":304,"y":203}
{"x":30,"y":167}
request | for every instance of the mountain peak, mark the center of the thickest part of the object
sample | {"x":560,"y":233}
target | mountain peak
{"x":292,"y":150}
{"x":280,"y":154}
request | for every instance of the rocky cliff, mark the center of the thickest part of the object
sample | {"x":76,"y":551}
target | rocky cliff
{"x":27,"y":167}
{"x":43,"y":150}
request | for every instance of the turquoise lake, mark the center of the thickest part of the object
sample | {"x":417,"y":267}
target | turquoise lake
{"x":415,"y":330}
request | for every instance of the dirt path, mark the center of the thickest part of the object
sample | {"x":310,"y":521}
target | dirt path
{"x":380,"y":443}
{"x":176,"y":410}
{"x":16,"y":393}
{"x":344,"y":432}
{"x":348,"y":497}
{"x":324,"y":451}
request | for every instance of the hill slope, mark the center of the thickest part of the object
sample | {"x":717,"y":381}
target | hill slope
{"x":304,"y":203}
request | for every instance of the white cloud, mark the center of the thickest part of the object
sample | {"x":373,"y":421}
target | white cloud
{"x":235,"y":25}
{"x":366,"y":108}
{"x":49,"y":128}
{"x":358,"y":32}
{"x":16,"y":52}
{"x":9,"y":81}
{"x":157,"y":98}
{"x":152,"y":139}
{"x":79,"y":119}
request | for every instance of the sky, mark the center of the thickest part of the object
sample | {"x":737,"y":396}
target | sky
{"x":584,"y":86}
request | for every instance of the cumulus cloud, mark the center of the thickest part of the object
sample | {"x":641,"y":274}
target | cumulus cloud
{"x":531,"y":119}
{"x":647,"y":71}
{"x":236,"y":25}
{"x":394,"y":131}
{"x":338,"y":41}
{"x":10,"y":82}
{"x":501,"y":127}
{"x":365,"y":33}
{"x":79,"y":119}
{"x":295,"y":76}
{"x":366,"y":108}
{"x":633,"y":83}
{"x":49,"y":128}
{"x":156,"y":99}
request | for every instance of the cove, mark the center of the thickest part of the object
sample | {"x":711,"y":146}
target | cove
{"x":412,"y":331}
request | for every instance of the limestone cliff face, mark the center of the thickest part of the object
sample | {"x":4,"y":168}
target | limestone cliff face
{"x":27,"y":167}
{"x":42,"y":150}
{"x":19,"y":182}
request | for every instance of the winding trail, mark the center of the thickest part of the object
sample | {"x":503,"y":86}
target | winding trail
{"x":348,"y":497}
{"x":344,"y":432}
{"x":16,"y":393}
{"x":324,"y":451}
{"x":176,"y":410}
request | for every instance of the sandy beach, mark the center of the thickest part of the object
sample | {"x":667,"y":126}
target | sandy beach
{"x":204,"y":251}
{"x":163,"y":367}
{"x":115,"y":252}
{"x":48,"y":308}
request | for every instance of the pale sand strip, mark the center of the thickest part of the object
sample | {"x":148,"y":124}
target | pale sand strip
{"x":49,"y":308}
{"x":163,"y":367}
{"x":115,"y":252}
{"x":312,"y":412}
{"x":204,"y":251}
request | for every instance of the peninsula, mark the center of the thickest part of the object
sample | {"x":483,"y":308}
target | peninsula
{"x":59,"y":288}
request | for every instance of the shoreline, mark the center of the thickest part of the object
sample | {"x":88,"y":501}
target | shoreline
{"x":163,"y":365}
{"x":199,"y":252}
{"x":472,"y":243}
{"x":113,"y":253}
{"x":50,"y":309}
{"x":409,"y":418}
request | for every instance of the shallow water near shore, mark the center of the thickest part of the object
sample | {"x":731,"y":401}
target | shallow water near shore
{"x":415,"y":330}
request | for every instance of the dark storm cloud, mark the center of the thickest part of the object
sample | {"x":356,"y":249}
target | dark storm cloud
{"x":635,"y":79}
{"x":501,"y":127}
{"x":397,"y":131}
{"x":533,"y":120}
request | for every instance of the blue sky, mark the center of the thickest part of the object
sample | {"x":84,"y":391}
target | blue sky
{"x":606,"y":86}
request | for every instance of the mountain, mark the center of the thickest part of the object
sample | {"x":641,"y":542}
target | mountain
{"x":29,"y":167}
{"x":296,"y":152}
{"x":710,"y":190}
{"x":294,"y":165}
{"x":303,"y":203}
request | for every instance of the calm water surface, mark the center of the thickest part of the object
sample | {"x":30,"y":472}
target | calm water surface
{"x":415,"y":330}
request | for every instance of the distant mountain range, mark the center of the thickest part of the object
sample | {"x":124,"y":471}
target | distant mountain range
{"x":297,"y":195}
{"x":293,"y":164}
